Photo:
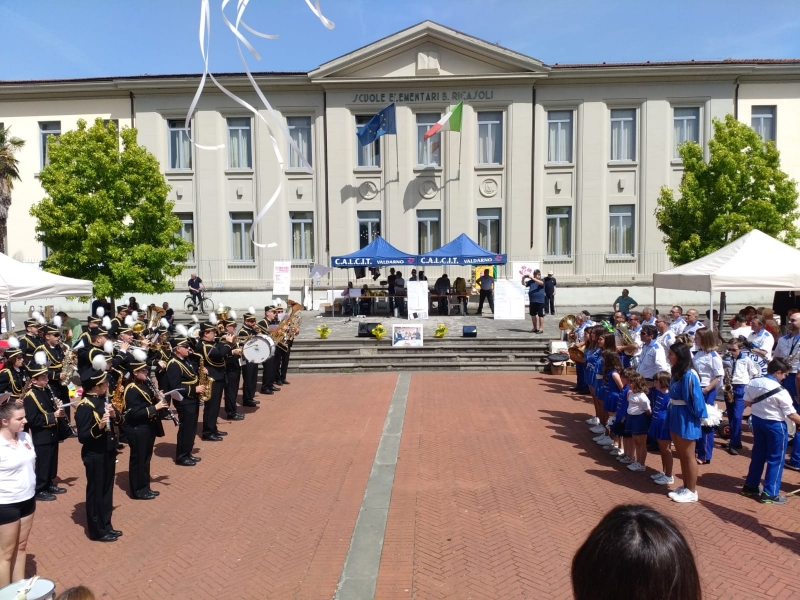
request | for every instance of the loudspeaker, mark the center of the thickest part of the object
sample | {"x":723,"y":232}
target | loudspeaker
{"x":470,"y":331}
{"x":365,"y":329}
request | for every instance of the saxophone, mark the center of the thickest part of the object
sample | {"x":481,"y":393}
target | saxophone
{"x":69,"y":363}
{"x":204,"y":379}
{"x":118,"y":400}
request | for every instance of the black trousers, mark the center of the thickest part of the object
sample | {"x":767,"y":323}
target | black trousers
{"x":232,"y":379}
{"x":284,"y":364}
{"x":211,"y":407}
{"x":141,"y":439}
{"x":268,"y":371}
{"x":187,"y":415}
{"x":550,"y":305}
{"x":486,"y":295}
{"x":99,"y":491}
{"x":46,"y":465}
{"x":249,"y":382}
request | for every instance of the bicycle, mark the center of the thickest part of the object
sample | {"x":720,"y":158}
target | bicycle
{"x":206,"y":304}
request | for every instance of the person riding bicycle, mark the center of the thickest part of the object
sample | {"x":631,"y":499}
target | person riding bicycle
{"x":195,"y":285}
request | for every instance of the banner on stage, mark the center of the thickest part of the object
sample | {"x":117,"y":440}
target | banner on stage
{"x":523,"y":268}
{"x":417,"y":299}
{"x":408,"y":336}
{"x":281,"y":277}
{"x":509,"y":299}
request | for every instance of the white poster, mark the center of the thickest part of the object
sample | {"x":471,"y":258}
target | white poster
{"x":523,"y":268}
{"x":509,"y":299}
{"x":281,"y":277}
{"x":417,"y":299}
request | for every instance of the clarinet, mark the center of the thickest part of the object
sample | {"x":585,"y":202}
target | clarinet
{"x":160,"y":396}
{"x":59,"y":405}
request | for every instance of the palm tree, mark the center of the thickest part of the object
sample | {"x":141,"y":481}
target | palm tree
{"x":9,"y":173}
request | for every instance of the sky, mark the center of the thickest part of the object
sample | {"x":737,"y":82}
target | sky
{"x":61,"y":39}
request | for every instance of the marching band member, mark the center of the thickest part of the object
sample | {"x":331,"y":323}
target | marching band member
{"x":93,"y":417}
{"x":30,"y":341}
{"x":249,"y":369}
{"x":621,"y":318}
{"x":98,"y":337}
{"x":666,"y":337}
{"x":55,"y":358}
{"x":12,"y":377}
{"x":118,"y":322}
{"x":85,"y":338}
{"x":659,"y":426}
{"x":142,"y":425}
{"x":213,"y":354}
{"x":182,"y":375}
{"x":267,"y":324}
{"x":678,"y":324}
{"x":652,"y":358}
{"x":787,"y":349}
{"x":760,"y":343}
{"x":635,"y":330}
{"x":42,"y":416}
{"x":742,"y":370}
{"x":770,"y":406}
{"x":708,"y":364}
{"x":158,"y":355}
{"x":233,"y":373}
{"x":584,"y":321}
{"x":648,"y":317}
{"x":693,"y":325}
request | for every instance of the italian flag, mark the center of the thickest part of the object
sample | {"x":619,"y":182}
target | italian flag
{"x":450,"y":122}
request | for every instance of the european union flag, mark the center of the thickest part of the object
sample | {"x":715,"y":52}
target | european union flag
{"x":381,"y":124}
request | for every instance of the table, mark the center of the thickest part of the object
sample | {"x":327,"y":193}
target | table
{"x":457,"y":296}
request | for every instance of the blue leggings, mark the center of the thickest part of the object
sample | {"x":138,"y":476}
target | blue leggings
{"x":705,"y":445}
{"x":769,"y":447}
{"x":735,"y":411}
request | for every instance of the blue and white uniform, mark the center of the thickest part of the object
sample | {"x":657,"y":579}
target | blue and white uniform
{"x":677,"y":326}
{"x":742,"y":371}
{"x":692,"y":329}
{"x":651,"y":321}
{"x":686,"y":406}
{"x":652,"y":359}
{"x":580,"y":368}
{"x":612,"y":395}
{"x":769,"y":433}
{"x":666,"y":340}
{"x":762,"y":340}
{"x":659,"y":427}
{"x":788,"y":345}
{"x":708,"y":366}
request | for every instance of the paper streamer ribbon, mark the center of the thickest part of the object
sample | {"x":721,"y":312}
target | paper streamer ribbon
{"x":205,"y":37}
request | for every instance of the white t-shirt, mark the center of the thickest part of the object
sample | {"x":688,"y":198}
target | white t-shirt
{"x":774,"y":408}
{"x":638,"y":403}
{"x":17,"y":476}
{"x":744,"y":330}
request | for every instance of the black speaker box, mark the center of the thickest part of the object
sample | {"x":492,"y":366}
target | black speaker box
{"x":365,"y":329}
{"x":470,"y":331}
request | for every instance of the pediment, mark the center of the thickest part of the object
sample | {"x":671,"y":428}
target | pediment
{"x":429,"y":50}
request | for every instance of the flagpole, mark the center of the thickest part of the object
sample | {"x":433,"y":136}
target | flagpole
{"x":397,"y":158}
{"x":459,"y":155}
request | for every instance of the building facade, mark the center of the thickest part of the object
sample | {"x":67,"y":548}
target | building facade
{"x":557,"y":163}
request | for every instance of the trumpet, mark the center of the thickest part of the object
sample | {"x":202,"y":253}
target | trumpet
{"x":131,"y":344}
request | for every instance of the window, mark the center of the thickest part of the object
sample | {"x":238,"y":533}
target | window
{"x":300,"y":130}
{"x":489,"y":229}
{"x":763,"y":121}
{"x":559,"y":136}
{"x":490,"y":138}
{"x":187,"y":231}
{"x":302,"y":224}
{"x":623,"y":134}
{"x":686,"y":124}
{"x":47,"y":129}
{"x":428,"y":228}
{"x":429,"y":152}
{"x":370,"y":155}
{"x":240,"y":150}
{"x":559,"y":232}
{"x":241,"y":247}
{"x":180,"y":148}
{"x":369,"y":227}
{"x":620,"y":231}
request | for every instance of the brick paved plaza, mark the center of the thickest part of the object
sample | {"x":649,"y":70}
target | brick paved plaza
{"x":496,"y":485}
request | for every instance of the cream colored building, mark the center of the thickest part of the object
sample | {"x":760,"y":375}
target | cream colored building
{"x":557,"y":163}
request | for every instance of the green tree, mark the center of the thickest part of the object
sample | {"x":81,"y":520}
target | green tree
{"x":9,"y":173}
{"x":739,"y":189}
{"x":106,"y":216}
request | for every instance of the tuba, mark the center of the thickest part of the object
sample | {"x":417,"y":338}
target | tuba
{"x":568,"y":324}
{"x":154,"y":315}
{"x":281,"y":335}
{"x":625,"y":335}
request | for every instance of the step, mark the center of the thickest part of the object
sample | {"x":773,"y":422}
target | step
{"x":389,"y":351}
{"x":416,"y":366}
{"x":414,"y":356}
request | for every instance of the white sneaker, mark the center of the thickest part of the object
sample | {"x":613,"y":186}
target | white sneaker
{"x":597,"y":429}
{"x":617,"y":452}
{"x":625,"y":460}
{"x":676,"y":492}
{"x":597,"y":438}
{"x":604,"y":441}
{"x":664,"y":480}
{"x":685,"y":496}
{"x":636,"y":466}
{"x":593,"y":421}
{"x":657,"y":475}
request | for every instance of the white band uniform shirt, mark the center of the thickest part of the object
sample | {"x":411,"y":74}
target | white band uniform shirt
{"x":666,"y":340}
{"x":744,"y":331}
{"x":677,"y":326}
{"x":638,"y":403}
{"x":743,"y":369}
{"x":580,"y":331}
{"x":651,"y":321}
{"x":636,"y":334}
{"x":788,"y":345}
{"x":763,"y":340}
{"x":652,"y":360}
{"x":17,"y":469}
{"x":774,"y":408}
{"x":708,"y":366}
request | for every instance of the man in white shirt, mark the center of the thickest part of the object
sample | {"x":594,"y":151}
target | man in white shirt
{"x":770,"y":406}
{"x":486,"y":282}
{"x":760,"y":343}
{"x":740,"y":327}
{"x":678,"y":324}
{"x":635,"y":329}
{"x":648,"y":317}
{"x":740,"y":370}
{"x":693,"y":323}
{"x":789,"y":345}
{"x":653,"y":357}
{"x":666,"y":337}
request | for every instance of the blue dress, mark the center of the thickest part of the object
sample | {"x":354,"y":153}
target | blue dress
{"x":612,"y":394}
{"x":659,"y":427}
{"x":599,"y":387}
{"x":684,"y":420}
{"x":590,"y":354}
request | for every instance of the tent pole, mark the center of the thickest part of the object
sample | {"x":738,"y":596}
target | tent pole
{"x":711,"y":310}
{"x":655,"y":304}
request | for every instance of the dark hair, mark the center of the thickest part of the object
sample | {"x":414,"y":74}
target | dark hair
{"x":8,"y":408}
{"x":650,"y":330}
{"x":684,"y":363}
{"x":680,"y":308}
{"x":636,"y":382}
{"x":77,"y":593}
{"x":662,"y":379}
{"x":611,"y":362}
{"x":626,"y":373}
{"x":609,"y":340}
{"x":636,"y":314}
{"x":635,"y":552}
{"x":778,"y":364}
{"x":740,"y":318}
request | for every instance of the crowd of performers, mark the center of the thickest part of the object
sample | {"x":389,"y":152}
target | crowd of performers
{"x":132,"y":373}
{"x":655,"y":382}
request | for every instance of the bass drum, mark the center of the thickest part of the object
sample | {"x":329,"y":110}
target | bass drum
{"x":258,"y":349}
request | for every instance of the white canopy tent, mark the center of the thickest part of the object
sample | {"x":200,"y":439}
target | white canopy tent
{"x":21,"y":282}
{"x":755,"y":261}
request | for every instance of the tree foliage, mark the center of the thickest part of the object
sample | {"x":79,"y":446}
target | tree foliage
{"x":9,"y":173}
{"x":739,"y":189}
{"x":106,"y":216}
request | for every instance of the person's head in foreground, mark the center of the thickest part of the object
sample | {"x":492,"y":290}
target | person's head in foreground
{"x":635,"y":553}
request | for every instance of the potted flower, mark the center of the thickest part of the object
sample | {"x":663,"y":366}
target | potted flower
{"x":323,"y":331}
{"x":441,"y":329}
{"x":378,"y":331}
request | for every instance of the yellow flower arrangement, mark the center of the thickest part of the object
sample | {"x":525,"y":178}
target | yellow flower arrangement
{"x":323,"y":331}
{"x":441,"y":329}
{"x":378,"y":331}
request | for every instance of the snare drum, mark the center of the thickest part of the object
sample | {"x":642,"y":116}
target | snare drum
{"x":43,"y":589}
{"x":258,"y":349}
